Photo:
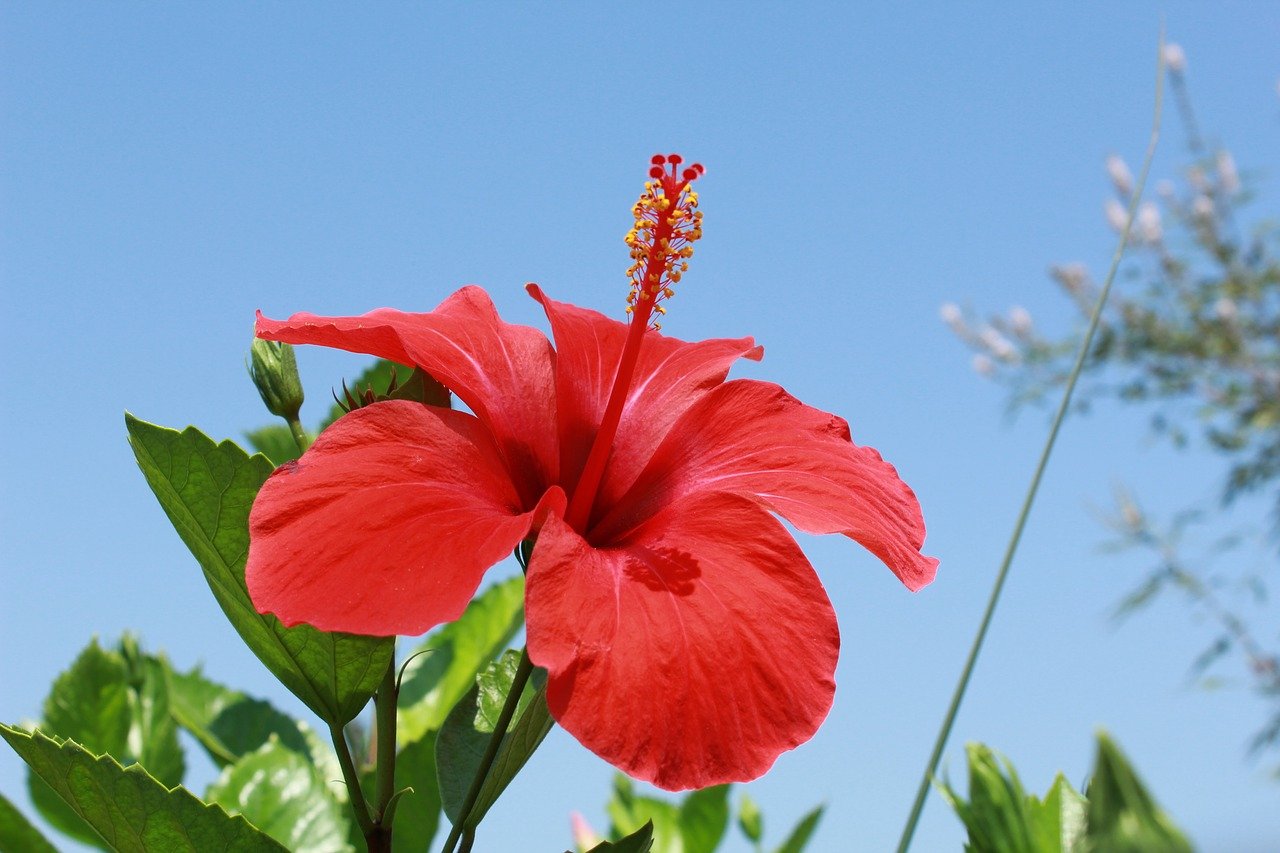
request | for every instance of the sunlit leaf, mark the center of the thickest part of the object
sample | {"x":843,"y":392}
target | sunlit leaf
{"x":750,"y":820}
{"x":130,"y":810}
{"x":279,"y":791}
{"x":704,"y":817}
{"x":1122,"y":816}
{"x":226,"y":722}
{"x":630,"y":812}
{"x":110,"y":704}
{"x":444,"y":665}
{"x":803,"y":832}
{"x":640,"y":841}
{"x":466,"y":734}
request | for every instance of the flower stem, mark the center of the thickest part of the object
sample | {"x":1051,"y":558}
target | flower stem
{"x":358,"y":804}
{"x":300,"y":436}
{"x":385,"y":710}
{"x":523,"y":670}
{"x":1086,"y":345}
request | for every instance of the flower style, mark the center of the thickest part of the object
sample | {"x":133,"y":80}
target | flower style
{"x":686,"y":638}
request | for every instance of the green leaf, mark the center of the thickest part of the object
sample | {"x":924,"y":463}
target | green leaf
{"x":226,"y":722}
{"x":274,"y":441}
{"x":629,"y":813}
{"x":152,"y":725}
{"x":1122,"y":816}
{"x":376,"y":376}
{"x":1058,"y":823}
{"x":17,"y":833}
{"x":207,"y":489}
{"x":704,"y":817}
{"x":750,"y":820}
{"x":132,"y":811}
{"x":640,"y":841}
{"x":996,"y":813}
{"x":278,"y":790}
{"x":111,"y":701}
{"x":799,"y":837}
{"x":467,"y":729}
{"x":444,"y":666}
{"x":418,"y":813}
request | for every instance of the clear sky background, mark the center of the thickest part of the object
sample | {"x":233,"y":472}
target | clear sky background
{"x":168,"y":169}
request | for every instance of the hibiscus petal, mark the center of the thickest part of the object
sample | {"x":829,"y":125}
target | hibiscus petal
{"x":386,"y":524}
{"x":753,"y":438}
{"x":670,"y":375}
{"x":505,"y":373}
{"x":694,"y":653}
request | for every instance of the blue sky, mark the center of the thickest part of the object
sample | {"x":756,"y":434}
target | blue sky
{"x":169,"y":169}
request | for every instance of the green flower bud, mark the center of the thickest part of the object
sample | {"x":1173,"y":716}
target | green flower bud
{"x":275,"y":372}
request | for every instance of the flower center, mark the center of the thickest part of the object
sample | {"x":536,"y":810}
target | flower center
{"x":667,"y":224}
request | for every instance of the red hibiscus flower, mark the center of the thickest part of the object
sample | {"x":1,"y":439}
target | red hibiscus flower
{"x":686,"y":638}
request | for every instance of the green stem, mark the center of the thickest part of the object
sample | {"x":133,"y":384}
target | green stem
{"x":385,"y":721}
{"x":358,"y":804}
{"x":300,"y":436}
{"x":523,"y":671}
{"x":1086,"y":345}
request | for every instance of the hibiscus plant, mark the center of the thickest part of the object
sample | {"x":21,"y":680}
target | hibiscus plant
{"x":639,"y":489}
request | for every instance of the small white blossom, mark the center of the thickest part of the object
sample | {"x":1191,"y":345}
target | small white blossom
{"x":984,"y":365}
{"x":998,"y":344}
{"x":1020,"y":320}
{"x":1226,"y":309}
{"x":1117,"y":216}
{"x":951,"y":315}
{"x":1071,"y":276}
{"x":1175,"y":57}
{"x":1120,"y":175}
{"x":1149,"y":229}
{"x":1228,"y":176}
{"x":1202,"y":207}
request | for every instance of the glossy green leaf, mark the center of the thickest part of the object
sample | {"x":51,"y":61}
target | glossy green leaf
{"x":799,"y":838}
{"x":111,"y":701}
{"x":997,"y":812}
{"x":153,"y":729}
{"x":1122,"y":815}
{"x":1058,"y":823}
{"x":444,"y":665}
{"x":17,"y":834}
{"x":704,"y":817}
{"x":750,"y":820}
{"x":274,"y":441}
{"x":417,"y":815}
{"x":279,"y":791}
{"x":207,"y":489}
{"x":640,"y":841}
{"x":130,"y":810}
{"x":467,"y":729}
{"x":629,"y":812}
{"x":226,"y":722}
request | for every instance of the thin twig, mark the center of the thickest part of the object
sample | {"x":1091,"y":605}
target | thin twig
{"x":962,"y":685}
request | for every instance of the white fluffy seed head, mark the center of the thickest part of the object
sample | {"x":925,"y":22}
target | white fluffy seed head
{"x":1120,"y":175}
{"x":1228,"y":176}
{"x":1020,"y":320}
{"x":1148,"y":222}
{"x":1117,"y":216}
